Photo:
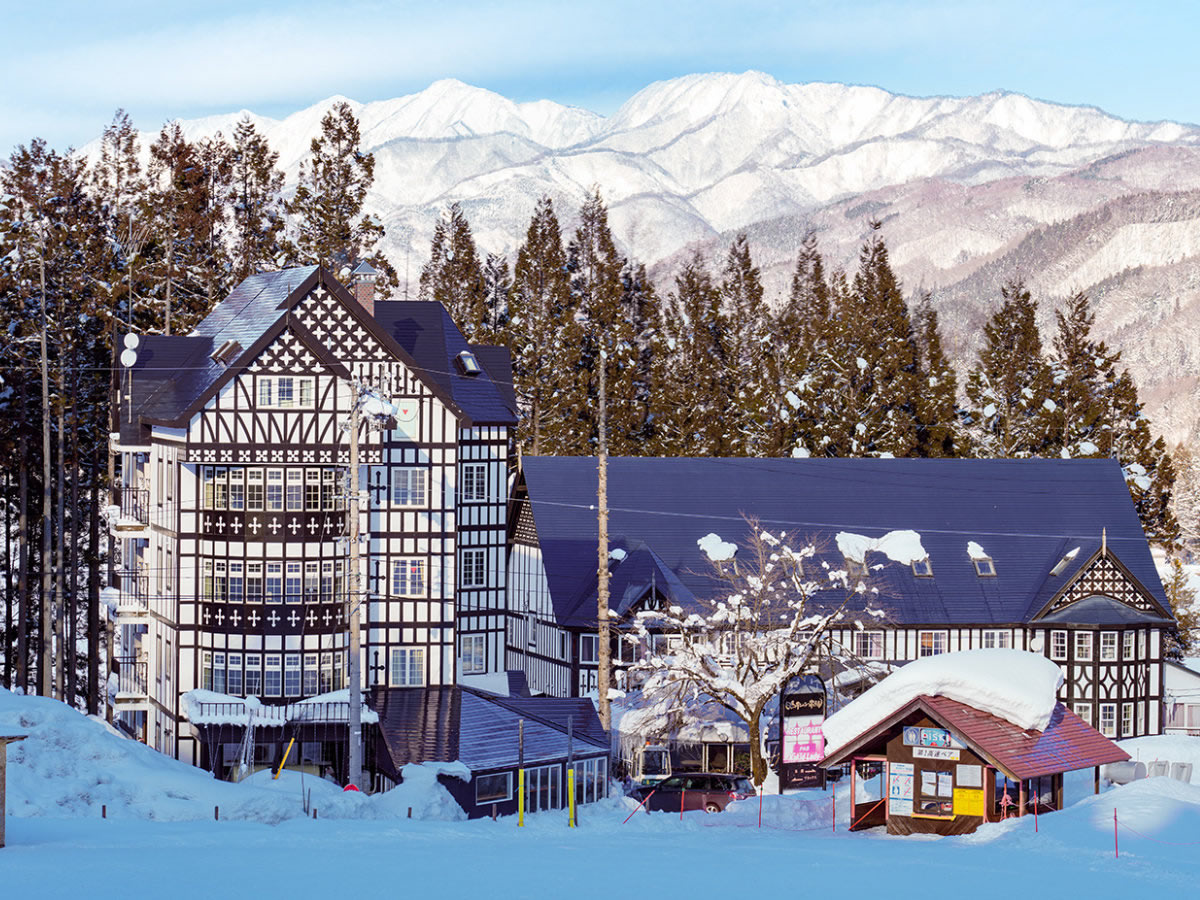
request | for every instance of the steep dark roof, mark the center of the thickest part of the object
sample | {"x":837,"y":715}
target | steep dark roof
{"x":1026,"y":515}
{"x":424,"y":329}
{"x":445,"y":724}
{"x":172,"y":374}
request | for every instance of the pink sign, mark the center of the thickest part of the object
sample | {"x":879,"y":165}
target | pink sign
{"x":803,"y":740}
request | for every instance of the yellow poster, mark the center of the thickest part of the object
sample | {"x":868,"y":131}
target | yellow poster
{"x":968,"y":802}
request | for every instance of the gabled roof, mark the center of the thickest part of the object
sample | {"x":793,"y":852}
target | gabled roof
{"x":632,"y":578}
{"x":175,"y":375}
{"x":1067,"y":743}
{"x":1025,"y":514}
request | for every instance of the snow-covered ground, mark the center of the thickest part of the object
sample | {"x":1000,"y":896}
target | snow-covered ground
{"x":161,"y":837}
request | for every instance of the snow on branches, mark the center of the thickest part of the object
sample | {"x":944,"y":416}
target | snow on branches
{"x":766,"y":625}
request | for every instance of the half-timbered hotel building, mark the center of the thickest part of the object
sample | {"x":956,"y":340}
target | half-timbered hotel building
{"x":1040,"y":555}
{"x":232,"y":450}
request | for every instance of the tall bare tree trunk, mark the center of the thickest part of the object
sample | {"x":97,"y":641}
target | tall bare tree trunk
{"x":45,"y":642}
{"x":73,"y":560}
{"x":9,"y":569}
{"x":93,"y":608}
{"x":23,"y":570}
{"x":60,"y":557}
{"x":604,"y":664}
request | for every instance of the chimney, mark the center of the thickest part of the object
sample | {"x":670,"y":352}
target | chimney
{"x":362,"y":285}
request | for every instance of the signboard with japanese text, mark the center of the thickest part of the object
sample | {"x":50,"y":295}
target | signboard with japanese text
{"x":900,"y":789}
{"x":802,"y":743}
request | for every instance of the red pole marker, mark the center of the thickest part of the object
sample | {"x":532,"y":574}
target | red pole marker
{"x":681,"y":796}
{"x":835,"y":808}
{"x":1035,"y":806}
{"x":635,"y":809}
{"x":760,"y":809}
{"x":1116,"y":848}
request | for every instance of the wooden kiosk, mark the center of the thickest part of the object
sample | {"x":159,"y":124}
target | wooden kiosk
{"x":5,"y":740}
{"x":945,"y":767}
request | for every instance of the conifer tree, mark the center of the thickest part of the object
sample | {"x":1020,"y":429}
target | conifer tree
{"x":1183,"y":639}
{"x":327,"y":208}
{"x":939,"y":428}
{"x":1008,"y":388}
{"x":497,"y":287}
{"x":751,"y":375}
{"x":544,"y":338}
{"x":640,"y":301}
{"x":255,"y":195}
{"x":693,"y":331}
{"x":119,"y":187}
{"x":597,"y":290}
{"x":453,"y":276}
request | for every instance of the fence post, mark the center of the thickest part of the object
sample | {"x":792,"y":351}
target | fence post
{"x":216,"y":814}
{"x":682,"y":794}
{"x":1116,"y":848}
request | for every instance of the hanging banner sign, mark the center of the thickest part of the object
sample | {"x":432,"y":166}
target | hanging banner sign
{"x":931,"y":737}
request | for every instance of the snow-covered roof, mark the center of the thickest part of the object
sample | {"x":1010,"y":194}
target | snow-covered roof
{"x":213,"y":708}
{"x":1013,"y":685}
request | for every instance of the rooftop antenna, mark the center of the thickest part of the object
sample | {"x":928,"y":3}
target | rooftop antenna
{"x":1104,"y":542}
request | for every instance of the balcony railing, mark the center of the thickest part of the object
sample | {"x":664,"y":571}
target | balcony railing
{"x":135,"y":590}
{"x":131,"y":675}
{"x":135,"y":506}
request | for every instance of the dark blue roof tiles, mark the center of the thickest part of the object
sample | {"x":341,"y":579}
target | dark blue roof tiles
{"x":253,"y":306}
{"x":488,"y":733}
{"x":425,"y":331}
{"x":1024,"y":514}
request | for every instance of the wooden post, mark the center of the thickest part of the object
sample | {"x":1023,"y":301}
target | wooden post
{"x":354,"y":719}
{"x":1022,"y":798}
{"x":1096,"y":781}
{"x":3,"y":764}
{"x":520,"y":773}
{"x":604,"y":659}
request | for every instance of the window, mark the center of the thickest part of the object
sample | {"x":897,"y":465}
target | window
{"x":493,"y":788}
{"x":1108,"y":646}
{"x":254,"y":489}
{"x":206,"y":478}
{"x":591,"y":780}
{"x":312,"y":489}
{"x":1084,"y":711}
{"x":272,"y":684}
{"x":312,"y":582}
{"x":1141,"y":718}
{"x":1001,"y":640}
{"x":984,"y":566}
{"x":218,"y":671}
{"x":295,"y":490}
{"x":922,"y":568}
{"x":931,"y":643}
{"x":293,"y":583}
{"x":1083,"y":646}
{"x":855,"y":569}
{"x":589,"y":648}
{"x":274,"y":582}
{"x":254,"y":582}
{"x":310,"y":674}
{"x":1127,"y":644}
{"x":326,"y":582}
{"x":253,"y":674}
{"x":220,"y":583}
{"x":474,"y":572}
{"x":408,"y":578}
{"x":326,"y":682}
{"x":408,"y":666}
{"x":206,"y":675}
{"x":408,"y":487}
{"x":543,"y":788}
{"x":1126,"y":720}
{"x":474,"y":482}
{"x":868,"y":644}
{"x":1058,"y":645}
{"x":206,"y":580}
{"x":233,"y":682}
{"x":237,"y":582}
{"x":1108,"y":719}
{"x":329,"y":489}
{"x":220,"y":488}
{"x":291,"y":675}
{"x":284,"y":391}
{"x":474,"y":656}
{"x":237,"y":489}
{"x":274,"y":489}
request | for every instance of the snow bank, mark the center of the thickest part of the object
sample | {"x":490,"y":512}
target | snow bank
{"x":71,"y":765}
{"x":898,"y":546}
{"x":1014,"y":685}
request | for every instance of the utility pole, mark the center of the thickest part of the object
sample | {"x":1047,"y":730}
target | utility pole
{"x":354,"y":773}
{"x":604,"y":667}
{"x":45,"y":637}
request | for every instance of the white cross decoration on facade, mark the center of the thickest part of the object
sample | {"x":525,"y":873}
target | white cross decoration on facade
{"x":221,"y":525}
{"x":254,"y":526}
{"x":273,"y":618}
{"x":325,"y":618}
{"x":274,"y":526}
{"x":235,"y":617}
{"x":311,"y":618}
{"x":236,"y":526}
{"x":294,"y":525}
{"x":220,"y":617}
{"x":313,"y":525}
{"x":207,"y":525}
{"x":207,"y":615}
{"x":293,"y":618}
{"x":253,"y":618}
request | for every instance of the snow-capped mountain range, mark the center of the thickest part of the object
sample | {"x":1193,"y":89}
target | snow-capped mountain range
{"x":971,"y":190}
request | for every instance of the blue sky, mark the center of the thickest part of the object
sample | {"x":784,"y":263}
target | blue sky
{"x":68,"y":66}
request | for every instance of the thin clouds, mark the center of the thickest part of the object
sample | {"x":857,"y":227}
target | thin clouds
{"x":278,"y":57}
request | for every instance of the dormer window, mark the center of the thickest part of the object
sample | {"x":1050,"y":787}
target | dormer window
{"x":984,"y":567}
{"x":467,"y":364}
{"x":855,"y":569}
{"x":922,"y":568}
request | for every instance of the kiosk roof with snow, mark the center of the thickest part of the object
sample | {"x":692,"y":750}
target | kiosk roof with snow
{"x":961,"y":739}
